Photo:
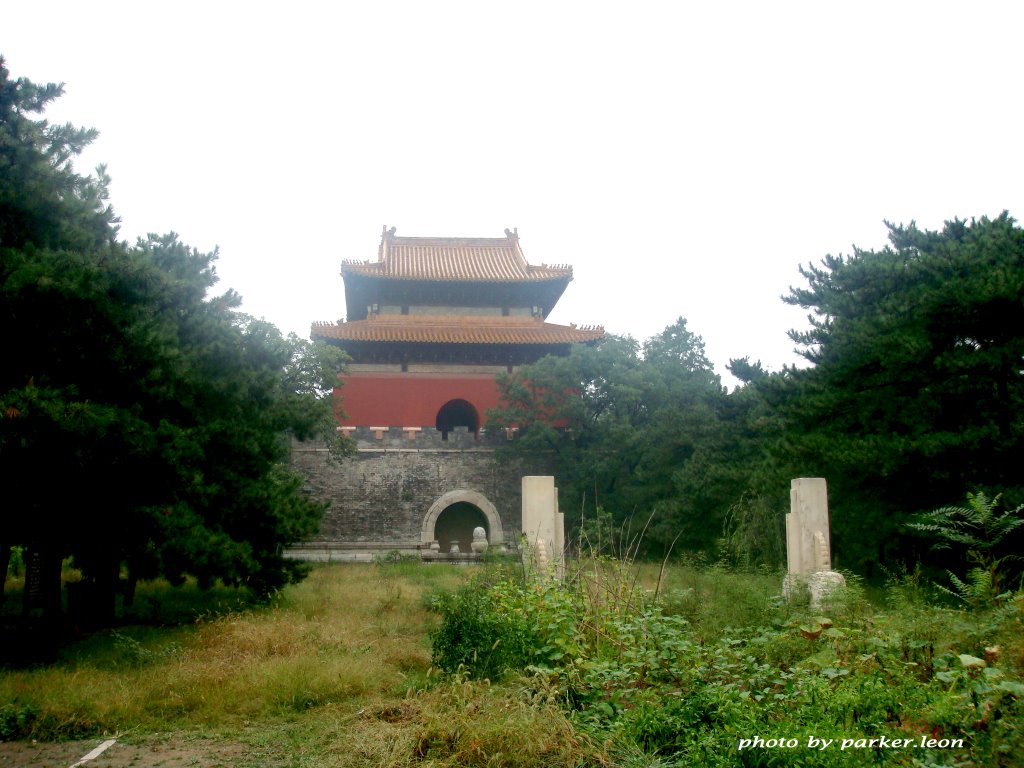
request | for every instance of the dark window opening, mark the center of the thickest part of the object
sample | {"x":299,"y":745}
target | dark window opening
{"x":457,"y":413}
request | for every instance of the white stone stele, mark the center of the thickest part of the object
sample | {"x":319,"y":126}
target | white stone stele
{"x":808,"y":548}
{"x":543,"y":525}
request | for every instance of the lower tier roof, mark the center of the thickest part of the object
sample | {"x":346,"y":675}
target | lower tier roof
{"x":447,"y":329}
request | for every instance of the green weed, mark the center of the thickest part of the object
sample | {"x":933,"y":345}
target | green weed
{"x":681,"y":679}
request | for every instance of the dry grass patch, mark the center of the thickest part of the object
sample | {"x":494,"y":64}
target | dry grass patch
{"x":455,"y":724}
{"x":493,"y":726}
{"x":336,"y":673}
{"x":354,"y":631}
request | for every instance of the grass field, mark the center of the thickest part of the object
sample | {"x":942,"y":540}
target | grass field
{"x":335,"y":672}
{"x":338,"y":671}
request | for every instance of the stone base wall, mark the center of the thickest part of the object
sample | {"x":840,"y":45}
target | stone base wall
{"x":384,"y":498}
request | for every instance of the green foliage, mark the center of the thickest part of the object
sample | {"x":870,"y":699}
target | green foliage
{"x":916,"y":389}
{"x":474,"y":636}
{"x":979,"y":528}
{"x":178,"y":402}
{"x":915,"y":394}
{"x":43,"y":201}
{"x":16,"y":720}
{"x":634,"y":434}
{"x":754,"y":532}
{"x":599,"y":534}
{"x":643,"y":680}
{"x":746,"y":371}
{"x":142,"y":419}
{"x":16,"y":565}
{"x":716,"y":598}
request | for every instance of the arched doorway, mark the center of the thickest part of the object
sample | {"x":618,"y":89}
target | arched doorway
{"x":453,"y":516}
{"x":457,"y":413}
{"x":455,"y":525}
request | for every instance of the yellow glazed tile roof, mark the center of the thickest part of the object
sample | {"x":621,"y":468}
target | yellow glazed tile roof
{"x":482,"y":259}
{"x":456,"y":330}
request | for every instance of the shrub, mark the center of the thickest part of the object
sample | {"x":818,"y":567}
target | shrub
{"x":477,"y":635}
{"x":16,"y":720}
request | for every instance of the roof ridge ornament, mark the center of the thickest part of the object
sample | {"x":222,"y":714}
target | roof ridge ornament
{"x":386,"y":238}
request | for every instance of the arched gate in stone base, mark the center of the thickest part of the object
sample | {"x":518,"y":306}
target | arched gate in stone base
{"x":452,"y":517}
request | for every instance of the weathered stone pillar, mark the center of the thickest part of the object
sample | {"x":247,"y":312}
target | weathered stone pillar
{"x":42,"y":584}
{"x":543,"y":524}
{"x":808,"y":544}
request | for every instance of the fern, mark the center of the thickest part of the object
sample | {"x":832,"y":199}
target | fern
{"x":979,"y":527}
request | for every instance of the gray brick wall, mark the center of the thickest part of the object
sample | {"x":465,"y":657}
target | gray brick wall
{"x":380,"y":497}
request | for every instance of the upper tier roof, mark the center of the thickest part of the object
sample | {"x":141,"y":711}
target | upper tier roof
{"x":459,"y":259}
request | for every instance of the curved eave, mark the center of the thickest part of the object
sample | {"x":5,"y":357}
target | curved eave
{"x":530,"y":333}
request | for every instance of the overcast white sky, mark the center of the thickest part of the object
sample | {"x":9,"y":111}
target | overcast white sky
{"x":685,"y":158}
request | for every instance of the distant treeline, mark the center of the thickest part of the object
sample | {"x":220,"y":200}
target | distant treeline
{"x":912,"y":398}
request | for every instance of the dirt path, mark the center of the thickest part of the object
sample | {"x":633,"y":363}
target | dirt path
{"x":160,"y":752}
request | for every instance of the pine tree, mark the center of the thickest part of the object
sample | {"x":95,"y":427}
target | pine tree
{"x":917,"y":385}
{"x":144,"y":421}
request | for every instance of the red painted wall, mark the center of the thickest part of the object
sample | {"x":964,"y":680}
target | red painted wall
{"x":411,"y":399}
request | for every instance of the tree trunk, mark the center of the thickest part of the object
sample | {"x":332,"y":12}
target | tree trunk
{"x":129,"y":587}
{"x":5,"y":563}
